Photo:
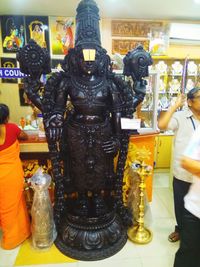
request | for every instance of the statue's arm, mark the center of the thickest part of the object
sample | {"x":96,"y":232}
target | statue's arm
{"x":32,"y":88}
{"x":139,"y":88}
{"x":56,"y":88}
{"x":116,"y":109}
{"x":115,"y":104}
{"x":136,"y":63}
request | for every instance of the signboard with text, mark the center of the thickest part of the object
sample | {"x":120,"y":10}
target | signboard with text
{"x":11,"y":73}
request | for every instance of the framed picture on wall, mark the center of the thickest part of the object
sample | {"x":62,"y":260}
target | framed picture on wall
{"x":123,"y":28}
{"x":9,"y":63}
{"x":37,"y":28}
{"x":13,"y":34}
{"x":62,"y":34}
{"x":122,"y":46}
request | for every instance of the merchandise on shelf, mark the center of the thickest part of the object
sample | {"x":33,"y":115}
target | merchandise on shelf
{"x":177,"y":68}
{"x":192,"y":68}
{"x":171,"y":72}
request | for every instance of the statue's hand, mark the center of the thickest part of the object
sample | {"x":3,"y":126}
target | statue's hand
{"x":140,"y":87}
{"x":54,"y":127}
{"x":112,"y":146}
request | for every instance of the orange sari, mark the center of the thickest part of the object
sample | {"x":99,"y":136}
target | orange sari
{"x":14,"y":219}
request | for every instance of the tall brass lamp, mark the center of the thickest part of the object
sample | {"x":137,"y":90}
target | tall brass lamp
{"x":139,"y":233}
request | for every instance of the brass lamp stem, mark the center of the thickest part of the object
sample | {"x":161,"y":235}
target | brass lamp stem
{"x":138,"y":233}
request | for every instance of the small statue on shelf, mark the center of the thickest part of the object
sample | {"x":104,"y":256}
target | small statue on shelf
{"x":90,"y":217}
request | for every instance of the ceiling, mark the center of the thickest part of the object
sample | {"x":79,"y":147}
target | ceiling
{"x":117,"y":9}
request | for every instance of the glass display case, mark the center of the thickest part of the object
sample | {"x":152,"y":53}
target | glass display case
{"x":146,"y":112}
{"x":171,"y":75}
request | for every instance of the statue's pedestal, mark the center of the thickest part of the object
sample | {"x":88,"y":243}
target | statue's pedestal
{"x":91,"y":239}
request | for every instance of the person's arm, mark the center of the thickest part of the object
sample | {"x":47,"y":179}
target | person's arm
{"x":191,"y":165}
{"x":22,"y":135}
{"x":165,"y":118}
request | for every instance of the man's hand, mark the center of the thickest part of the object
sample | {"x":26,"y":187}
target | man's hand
{"x":180,"y":101}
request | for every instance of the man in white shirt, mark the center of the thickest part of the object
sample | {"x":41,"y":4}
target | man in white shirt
{"x":183,"y":123}
{"x":188,"y":254}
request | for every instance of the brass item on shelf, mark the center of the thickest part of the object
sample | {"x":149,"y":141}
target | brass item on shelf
{"x":139,"y":233}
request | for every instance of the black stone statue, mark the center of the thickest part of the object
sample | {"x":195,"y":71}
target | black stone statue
{"x":83,"y":140}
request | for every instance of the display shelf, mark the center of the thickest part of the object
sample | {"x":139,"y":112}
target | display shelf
{"x":170,"y":83}
{"x":173,"y":58}
{"x":147,"y":111}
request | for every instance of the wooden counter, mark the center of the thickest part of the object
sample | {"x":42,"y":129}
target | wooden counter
{"x":34,"y":144}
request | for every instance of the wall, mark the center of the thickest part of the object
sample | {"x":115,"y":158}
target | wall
{"x":9,"y":94}
{"x":192,"y":51}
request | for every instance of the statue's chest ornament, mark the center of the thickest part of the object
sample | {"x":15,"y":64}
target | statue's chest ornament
{"x":89,"y":91}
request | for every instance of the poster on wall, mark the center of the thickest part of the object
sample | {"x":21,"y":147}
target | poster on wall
{"x":37,"y":28}
{"x":62,"y":35}
{"x":13,"y":34}
{"x":8,"y":63}
{"x":122,"y":46}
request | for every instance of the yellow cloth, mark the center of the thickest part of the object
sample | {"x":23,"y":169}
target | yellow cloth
{"x":27,"y":255}
{"x":14,"y":219}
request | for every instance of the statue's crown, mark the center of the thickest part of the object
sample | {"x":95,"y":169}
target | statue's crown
{"x":87,"y":24}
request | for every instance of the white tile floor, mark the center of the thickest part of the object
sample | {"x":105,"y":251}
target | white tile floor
{"x":158,"y":253}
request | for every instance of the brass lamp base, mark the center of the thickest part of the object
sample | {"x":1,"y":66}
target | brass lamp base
{"x":139,"y":235}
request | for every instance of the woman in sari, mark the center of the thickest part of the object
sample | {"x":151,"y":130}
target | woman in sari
{"x":14,"y":219}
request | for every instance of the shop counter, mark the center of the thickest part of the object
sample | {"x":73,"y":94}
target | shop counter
{"x":33,"y":153}
{"x":34,"y":148}
{"x":33,"y":144}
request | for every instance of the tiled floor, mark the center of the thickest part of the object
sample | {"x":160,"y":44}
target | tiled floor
{"x":158,"y":253}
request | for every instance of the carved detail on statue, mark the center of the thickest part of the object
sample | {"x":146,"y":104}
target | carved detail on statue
{"x":86,"y":138}
{"x":107,"y":237}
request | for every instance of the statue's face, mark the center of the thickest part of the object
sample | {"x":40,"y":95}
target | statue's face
{"x":88,"y":67}
{"x":94,"y":63}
